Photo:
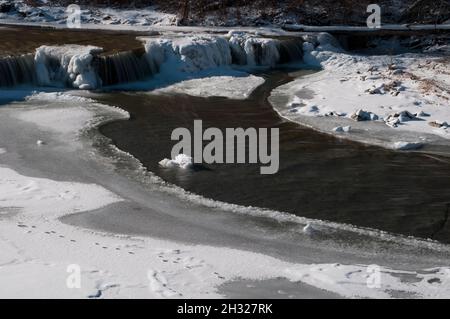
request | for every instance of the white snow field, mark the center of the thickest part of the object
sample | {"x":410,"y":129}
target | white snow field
{"x":405,"y":96}
{"x":40,"y":184}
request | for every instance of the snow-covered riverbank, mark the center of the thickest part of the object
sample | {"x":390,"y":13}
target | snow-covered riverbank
{"x":406,"y":96}
{"x":20,"y":11}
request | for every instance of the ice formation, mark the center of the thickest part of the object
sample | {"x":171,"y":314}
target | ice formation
{"x":84,"y":68}
{"x":197,"y":53}
{"x":189,"y":54}
{"x":254,"y":51}
{"x":69,"y":65}
{"x":181,"y":160}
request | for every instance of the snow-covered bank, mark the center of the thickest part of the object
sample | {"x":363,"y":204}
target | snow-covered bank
{"x":58,"y":15}
{"x":400,"y":94}
{"x":260,"y":12}
{"x":44,"y":182}
{"x":383,"y":27}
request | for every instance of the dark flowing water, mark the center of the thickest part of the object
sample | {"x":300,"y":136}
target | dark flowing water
{"x":320,"y":177}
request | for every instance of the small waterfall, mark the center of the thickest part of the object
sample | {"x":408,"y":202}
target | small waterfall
{"x":290,"y":50}
{"x":55,"y":73}
{"x":259,"y":54}
{"x":264,"y":53}
{"x":16,"y":70}
{"x":123,"y":67}
{"x":247,"y":50}
{"x":273,"y":52}
{"x":84,"y":67}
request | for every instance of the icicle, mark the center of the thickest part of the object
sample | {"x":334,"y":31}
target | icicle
{"x":124,"y":67}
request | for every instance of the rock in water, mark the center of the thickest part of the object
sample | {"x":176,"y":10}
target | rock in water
{"x":342,"y":129}
{"x":405,"y":146}
{"x":309,"y":229}
{"x":362,"y":115}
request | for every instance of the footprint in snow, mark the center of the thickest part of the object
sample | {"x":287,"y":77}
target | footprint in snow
{"x":158,"y":284}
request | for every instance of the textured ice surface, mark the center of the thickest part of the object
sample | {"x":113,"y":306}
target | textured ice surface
{"x":68,"y":64}
{"x":181,"y":160}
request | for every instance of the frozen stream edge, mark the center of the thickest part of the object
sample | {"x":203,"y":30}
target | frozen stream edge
{"x":201,"y":243}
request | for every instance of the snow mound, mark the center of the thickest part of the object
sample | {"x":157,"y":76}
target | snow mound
{"x":181,"y":160}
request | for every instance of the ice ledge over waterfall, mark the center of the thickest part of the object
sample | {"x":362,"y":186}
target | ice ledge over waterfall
{"x":69,"y":65}
{"x":84,"y":67}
